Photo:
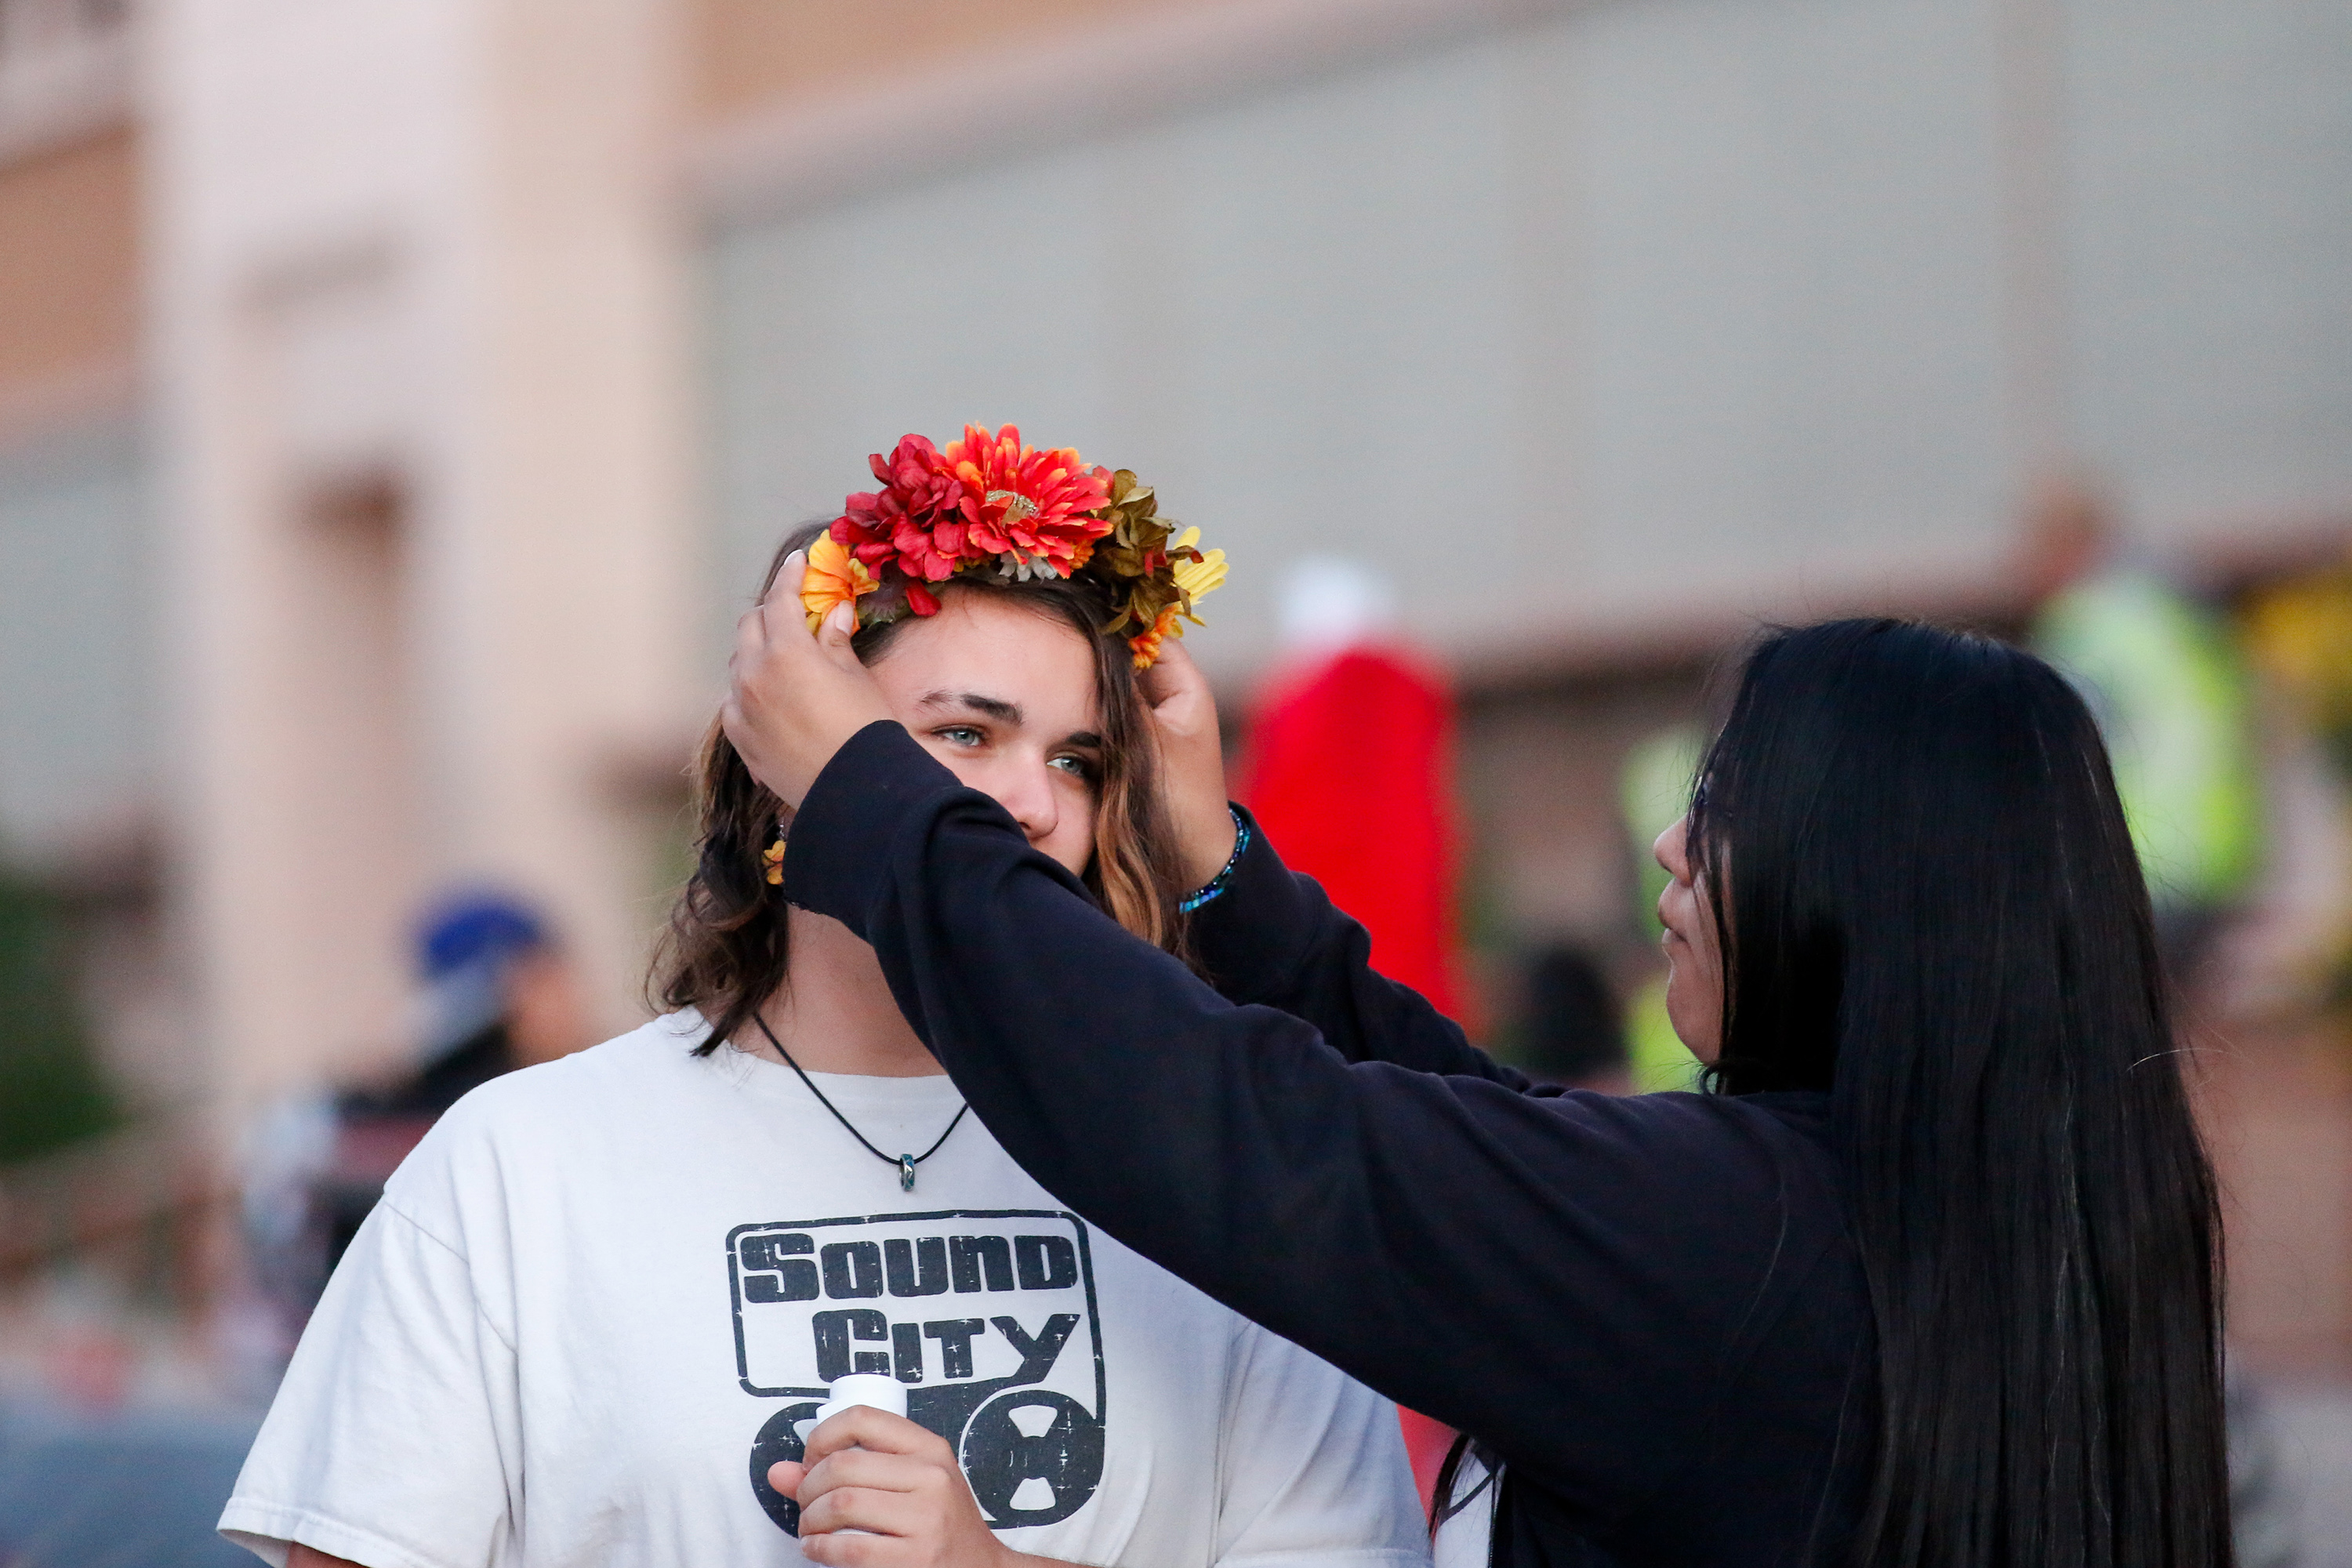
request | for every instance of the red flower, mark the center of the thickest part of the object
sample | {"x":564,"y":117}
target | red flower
{"x":918,"y":520}
{"x":1018,"y":498}
{"x":985,"y":497}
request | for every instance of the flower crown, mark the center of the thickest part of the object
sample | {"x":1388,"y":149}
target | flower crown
{"x":990,"y":500}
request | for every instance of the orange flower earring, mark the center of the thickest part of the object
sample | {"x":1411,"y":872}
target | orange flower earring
{"x":772,"y":858}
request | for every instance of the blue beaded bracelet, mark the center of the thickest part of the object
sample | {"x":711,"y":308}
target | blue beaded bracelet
{"x":1192,"y":902}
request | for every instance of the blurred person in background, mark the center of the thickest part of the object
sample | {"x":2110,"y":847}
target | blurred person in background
{"x":594,"y":1316}
{"x":2299,"y":633}
{"x":1571,"y":1031}
{"x":498,"y":993}
{"x":2167,"y":679}
{"x":1930,"y":1279}
{"x":1653,"y":785}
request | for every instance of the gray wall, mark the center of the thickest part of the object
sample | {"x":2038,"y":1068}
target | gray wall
{"x":2212,"y":253}
{"x":1650,"y":308}
{"x":77,"y":715}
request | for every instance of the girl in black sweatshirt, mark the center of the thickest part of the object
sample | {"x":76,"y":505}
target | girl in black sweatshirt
{"x":1927,"y":1278}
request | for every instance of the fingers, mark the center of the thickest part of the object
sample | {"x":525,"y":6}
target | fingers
{"x":846,"y":1551}
{"x":901,"y":1494}
{"x":750,"y":639}
{"x":875,"y":1509}
{"x":782,"y":605}
{"x":1182,"y":707}
{"x":833,"y":637}
{"x":863,"y":1470}
{"x":1159,"y":682}
{"x":792,"y":701}
{"x":876,"y":1432}
{"x":1172,"y":674}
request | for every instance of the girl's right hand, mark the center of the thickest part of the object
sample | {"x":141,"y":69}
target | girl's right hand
{"x":793,"y":699}
{"x":877,"y":1490}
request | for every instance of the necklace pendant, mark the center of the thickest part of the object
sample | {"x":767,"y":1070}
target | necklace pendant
{"x":906,"y":1172}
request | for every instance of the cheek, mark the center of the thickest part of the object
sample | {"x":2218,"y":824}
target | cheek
{"x":1073,"y":841}
{"x":967,"y":768}
{"x":1705,"y":937}
{"x":970,"y":768}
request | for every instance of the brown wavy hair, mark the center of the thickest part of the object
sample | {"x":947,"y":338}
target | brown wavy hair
{"x":725,"y":951}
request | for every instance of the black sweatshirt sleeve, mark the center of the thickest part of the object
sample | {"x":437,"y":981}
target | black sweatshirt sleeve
{"x":1568,"y":1277}
{"x":1272,"y":937}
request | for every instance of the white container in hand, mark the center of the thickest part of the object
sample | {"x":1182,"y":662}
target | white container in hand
{"x":870,"y":1389}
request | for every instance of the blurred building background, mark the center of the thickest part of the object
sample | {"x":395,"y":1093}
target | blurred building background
{"x":398,"y":400}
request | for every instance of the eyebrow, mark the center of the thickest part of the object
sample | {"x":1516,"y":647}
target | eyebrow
{"x":997,"y":708}
{"x":993,"y":707}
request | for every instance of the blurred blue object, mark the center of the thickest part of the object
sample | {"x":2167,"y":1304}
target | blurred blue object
{"x":464,"y":945}
{"x":474,"y":927}
{"x":129,"y":1489}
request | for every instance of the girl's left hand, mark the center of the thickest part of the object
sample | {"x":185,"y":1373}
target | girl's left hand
{"x":793,"y":699}
{"x":869,"y":1470}
{"x":1192,"y":761}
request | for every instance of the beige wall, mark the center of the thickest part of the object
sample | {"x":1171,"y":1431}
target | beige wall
{"x":69,"y":289}
{"x":424,"y":439}
{"x":747,"y":52}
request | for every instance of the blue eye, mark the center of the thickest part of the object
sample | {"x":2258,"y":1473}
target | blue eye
{"x":1081,"y":766}
{"x":958,"y":735}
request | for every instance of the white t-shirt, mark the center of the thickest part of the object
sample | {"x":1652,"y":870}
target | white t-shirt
{"x":605,"y":1294}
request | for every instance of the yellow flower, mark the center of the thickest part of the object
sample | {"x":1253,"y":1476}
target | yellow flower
{"x":835,"y":577}
{"x":1195,"y":579}
{"x":1199,"y":578}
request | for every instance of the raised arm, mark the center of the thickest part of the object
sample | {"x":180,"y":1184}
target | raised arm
{"x":1580,"y":1280}
{"x":1342,"y":1204}
{"x":1273,"y":938}
{"x":1270,"y":936}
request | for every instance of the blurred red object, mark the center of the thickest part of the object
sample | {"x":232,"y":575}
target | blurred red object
{"x":1351,"y":773}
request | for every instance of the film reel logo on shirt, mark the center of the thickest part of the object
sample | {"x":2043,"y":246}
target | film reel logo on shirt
{"x":987,"y":1316}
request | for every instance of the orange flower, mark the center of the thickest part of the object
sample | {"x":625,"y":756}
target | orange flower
{"x":835,"y":577}
{"x":1147,"y":644}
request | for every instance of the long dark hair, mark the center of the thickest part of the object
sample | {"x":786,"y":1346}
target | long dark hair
{"x":1929,"y":907}
{"x":725,"y":951}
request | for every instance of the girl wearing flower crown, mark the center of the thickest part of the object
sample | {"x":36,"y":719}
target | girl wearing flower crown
{"x":597,"y":1311}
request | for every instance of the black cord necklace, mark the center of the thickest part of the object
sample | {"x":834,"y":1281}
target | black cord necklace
{"x":906,"y":1162}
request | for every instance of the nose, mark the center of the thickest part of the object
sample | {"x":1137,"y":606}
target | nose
{"x":1025,"y":789}
{"x":1671,"y":849}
